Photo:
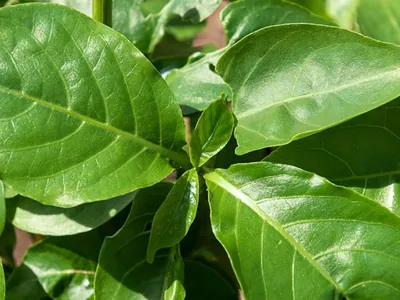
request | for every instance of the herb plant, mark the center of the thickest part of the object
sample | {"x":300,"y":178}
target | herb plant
{"x":283,"y":184}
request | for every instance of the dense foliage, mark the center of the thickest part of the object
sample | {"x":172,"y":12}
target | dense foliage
{"x":281,"y":184}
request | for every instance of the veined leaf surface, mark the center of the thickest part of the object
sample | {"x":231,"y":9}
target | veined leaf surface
{"x":84,"y":116}
{"x":311,"y":77}
{"x":362,"y":154}
{"x":291,"y":234}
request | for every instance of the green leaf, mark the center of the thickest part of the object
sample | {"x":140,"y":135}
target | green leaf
{"x":303,"y":84}
{"x":361,"y":154}
{"x":24,"y":285}
{"x":68,"y":107}
{"x":380,"y":19}
{"x":212,"y":132}
{"x":201,"y":281}
{"x":243,"y":17}
{"x":175,"y":276}
{"x":173,"y":219}
{"x":2,"y":283}
{"x":128,"y":275}
{"x":2,"y":208}
{"x":144,"y":22}
{"x":291,"y":234}
{"x":316,"y":6}
{"x":84,"y":6}
{"x":63,"y":267}
{"x":31,"y":216}
{"x":196,"y":85}
{"x":7,"y":243}
{"x":344,"y":12}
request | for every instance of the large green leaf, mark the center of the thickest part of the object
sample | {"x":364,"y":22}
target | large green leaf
{"x":65,"y":267}
{"x":34,"y":217}
{"x":23,"y":284}
{"x":2,"y":208}
{"x":212,"y":132}
{"x":380,"y":19}
{"x":2,"y":283}
{"x":202,"y":281}
{"x":128,"y":275}
{"x":176,"y":214}
{"x":362,"y":154}
{"x":311,"y":77}
{"x":291,"y":234}
{"x":316,"y":6}
{"x":196,"y":85}
{"x":144,"y":22}
{"x":84,"y":115}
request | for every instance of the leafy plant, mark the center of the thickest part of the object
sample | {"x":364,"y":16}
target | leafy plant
{"x":283,"y":183}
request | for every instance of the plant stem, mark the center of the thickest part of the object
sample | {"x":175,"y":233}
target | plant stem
{"x":102,"y":11}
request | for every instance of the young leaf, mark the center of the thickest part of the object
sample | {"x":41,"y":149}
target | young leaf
{"x":33,"y":217}
{"x":380,"y":19}
{"x":361,"y":154}
{"x":2,"y":208}
{"x":127,"y":275}
{"x":291,"y":234}
{"x":212,"y":132}
{"x":23,"y":284}
{"x":312,"y":77}
{"x":175,"y":276}
{"x":65,"y":267}
{"x":2,"y":283}
{"x":201,"y":281}
{"x":80,"y":96}
{"x":144,"y":23}
{"x":175,"y":215}
{"x":196,"y":85}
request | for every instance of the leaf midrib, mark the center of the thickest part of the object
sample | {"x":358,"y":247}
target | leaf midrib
{"x":176,"y":156}
{"x":245,"y":199}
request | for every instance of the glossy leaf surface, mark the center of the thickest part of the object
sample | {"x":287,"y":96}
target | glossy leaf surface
{"x":361,"y":154}
{"x":292,"y":234}
{"x":196,"y":84}
{"x":34,"y":217}
{"x":128,"y":275}
{"x":175,"y":215}
{"x":23,"y":284}
{"x":312,"y":77}
{"x":243,"y":17}
{"x":380,"y":19}
{"x":80,"y":96}
{"x":2,"y":208}
{"x":212,"y":132}
{"x":63,"y":267}
{"x":144,"y":22}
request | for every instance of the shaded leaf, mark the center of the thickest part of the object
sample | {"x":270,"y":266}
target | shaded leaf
{"x":175,"y":276}
{"x":173,"y":219}
{"x":312,"y":77}
{"x":63,"y":267}
{"x":2,"y":208}
{"x":7,"y":243}
{"x":84,"y":6}
{"x":316,"y":6}
{"x":292,"y":234}
{"x":144,"y":22}
{"x":380,"y":19}
{"x":34,"y":217}
{"x":128,"y":275}
{"x":196,"y":84}
{"x":24,"y":285}
{"x":212,"y":132}
{"x":201,"y":281}
{"x":68,"y":107}
{"x":361,"y":154}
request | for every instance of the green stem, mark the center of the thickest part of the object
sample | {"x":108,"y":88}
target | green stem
{"x":102,"y":11}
